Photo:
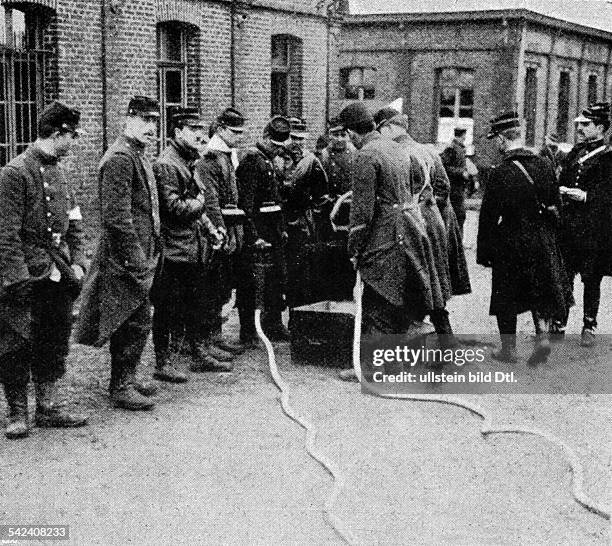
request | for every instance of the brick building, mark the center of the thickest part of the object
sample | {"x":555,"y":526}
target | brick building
{"x":462,"y":63}
{"x":263,"y":56}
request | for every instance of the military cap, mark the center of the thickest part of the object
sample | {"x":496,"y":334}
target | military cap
{"x":388,"y":115}
{"x":507,"y":120}
{"x":335,"y":125}
{"x":145,"y":107}
{"x":355,"y":115}
{"x":232,"y":119}
{"x":598,"y":113}
{"x":181,"y":115}
{"x":278,"y":130}
{"x":60,"y":117}
{"x":298,"y":128}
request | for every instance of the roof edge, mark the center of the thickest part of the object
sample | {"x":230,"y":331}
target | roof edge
{"x":482,"y":15}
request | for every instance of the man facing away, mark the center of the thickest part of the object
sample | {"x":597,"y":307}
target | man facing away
{"x":116,"y":302}
{"x":41,"y":267}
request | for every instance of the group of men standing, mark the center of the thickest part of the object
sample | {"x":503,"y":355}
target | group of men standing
{"x":183,"y":231}
{"x":177,"y":234}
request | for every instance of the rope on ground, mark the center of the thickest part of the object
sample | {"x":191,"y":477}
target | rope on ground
{"x":487,"y":428}
{"x":311,"y":435}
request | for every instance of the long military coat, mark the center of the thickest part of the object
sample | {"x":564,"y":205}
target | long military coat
{"x":518,"y":239}
{"x":392,"y":250}
{"x":127,"y":253}
{"x":38,"y":209}
{"x":586,"y":233}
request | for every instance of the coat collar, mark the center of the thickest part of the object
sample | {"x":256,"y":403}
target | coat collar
{"x":41,"y":156}
{"x":370,"y":137}
{"x":517,"y":152}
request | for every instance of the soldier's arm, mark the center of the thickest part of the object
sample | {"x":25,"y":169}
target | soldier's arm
{"x":451,"y":162}
{"x":440,"y":181}
{"x":75,"y":236}
{"x":117,"y":217}
{"x":365,"y":179}
{"x":171,"y":200}
{"x":210,"y":176}
{"x":247,"y":178}
{"x":13,"y":267}
{"x":487,"y":222}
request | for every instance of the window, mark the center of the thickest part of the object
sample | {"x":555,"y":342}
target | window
{"x":22,"y":63}
{"x":592,"y":89}
{"x":563,"y":104}
{"x":286,"y":77}
{"x":171,"y":72}
{"x":358,"y":83}
{"x":455,"y":104}
{"x":531,"y":104}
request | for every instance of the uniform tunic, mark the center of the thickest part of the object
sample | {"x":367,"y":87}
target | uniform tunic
{"x":40,"y":238}
{"x":586,"y":227}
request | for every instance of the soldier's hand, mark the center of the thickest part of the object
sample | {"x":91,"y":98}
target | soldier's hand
{"x":79,"y":272}
{"x":260,"y":244}
{"x":576,"y":194}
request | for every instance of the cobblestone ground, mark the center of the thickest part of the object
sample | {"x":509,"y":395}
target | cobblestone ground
{"x":217,"y":463}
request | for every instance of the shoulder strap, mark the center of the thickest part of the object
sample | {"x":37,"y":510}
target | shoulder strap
{"x":524,"y":171}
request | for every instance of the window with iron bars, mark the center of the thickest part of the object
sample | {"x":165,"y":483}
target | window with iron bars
{"x":22,"y":63}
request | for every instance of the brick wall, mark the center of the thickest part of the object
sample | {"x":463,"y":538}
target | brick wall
{"x":105,"y":51}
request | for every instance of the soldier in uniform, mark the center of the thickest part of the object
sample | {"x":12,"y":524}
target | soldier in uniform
{"x":455,"y":163}
{"x":186,"y":231}
{"x":116,"y":302}
{"x":259,"y":197}
{"x":41,"y":268}
{"x":586,"y":188}
{"x":390,"y":251}
{"x":517,"y":238}
{"x":216,"y":171}
{"x":304,"y":185}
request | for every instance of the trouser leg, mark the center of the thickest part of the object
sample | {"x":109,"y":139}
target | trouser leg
{"x":592,"y":296}
{"x":127,"y":345}
{"x":507,"y":333}
{"x":441,"y":322}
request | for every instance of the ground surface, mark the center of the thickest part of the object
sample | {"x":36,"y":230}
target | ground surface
{"x":218,"y":463}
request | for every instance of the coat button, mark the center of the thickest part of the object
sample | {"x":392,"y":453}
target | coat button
{"x":49,"y":229}
{"x":48,"y":198}
{"x":48,"y":215}
{"x":45,"y":184}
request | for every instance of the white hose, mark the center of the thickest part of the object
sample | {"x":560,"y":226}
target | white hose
{"x":487,"y":428}
{"x":311,"y":436}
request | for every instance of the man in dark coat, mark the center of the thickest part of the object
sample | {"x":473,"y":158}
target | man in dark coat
{"x":116,"y":302}
{"x":304,"y":186}
{"x":264,"y":228}
{"x":455,"y":163}
{"x":586,"y":188}
{"x":550,"y":151}
{"x":41,"y":267}
{"x":185,"y":233}
{"x":517,"y":238}
{"x":216,"y":171}
{"x":392,"y":124}
{"x":390,"y":250}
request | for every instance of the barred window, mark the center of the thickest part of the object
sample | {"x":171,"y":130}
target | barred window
{"x":531,"y":104}
{"x":22,"y":69}
{"x":171,"y":72}
{"x":563,"y":104}
{"x":286,"y":76}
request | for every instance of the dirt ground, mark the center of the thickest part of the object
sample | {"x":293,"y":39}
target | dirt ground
{"x":218,"y":463}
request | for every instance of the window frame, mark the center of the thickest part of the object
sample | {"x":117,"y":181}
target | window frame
{"x":363,"y":90}
{"x":165,"y":66}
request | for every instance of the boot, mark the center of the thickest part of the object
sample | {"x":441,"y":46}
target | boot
{"x":165,"y":371}
{"x":17,"y":402}
{"x":444,"y":330}
{"x":146,"y":388}
{"x":216,"y":352}
{"x":222,"y":343}
{"x":204,"y":362}
{"x":273,"y":327}
{"x":348,"y":375}
{"x":557,"y":331}
{"x":588,"y":337}
{"x":541,"y":350}
{"x":123,"y":391}
{"x":49,"y":413}
{"x":508,"y":350}
{"x":127,"y":397}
